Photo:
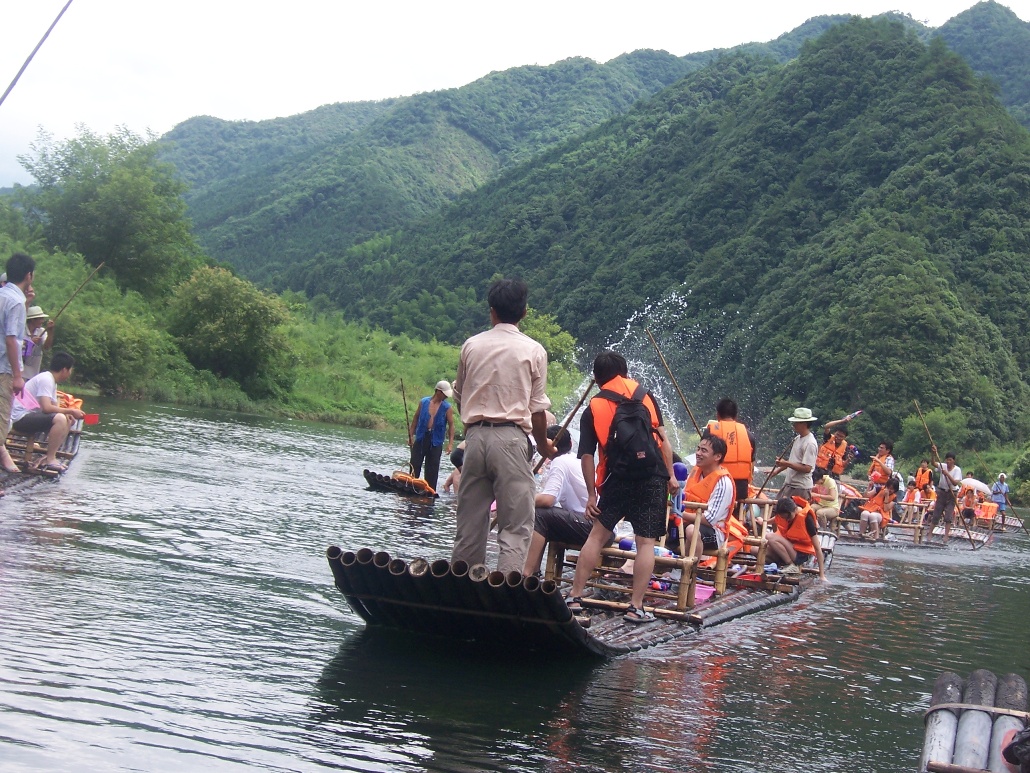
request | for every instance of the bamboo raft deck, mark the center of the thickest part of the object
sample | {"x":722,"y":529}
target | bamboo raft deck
{"x":968,"y":720}
{"x":27,"y":450}
{"x":917,"y":534}
{"x":456,"y":601}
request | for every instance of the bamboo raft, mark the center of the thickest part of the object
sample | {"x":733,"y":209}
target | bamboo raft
{"x":398,"y":485}
{"x":509,"y":611}
{"x":27,"y":451}
{"x":968,"y":720}
{"x":918,"y":533}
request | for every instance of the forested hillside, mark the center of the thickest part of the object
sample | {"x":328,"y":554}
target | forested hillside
{"x":996,"y":43}
{"x":847,"y":230}
{"x":283,"y":191}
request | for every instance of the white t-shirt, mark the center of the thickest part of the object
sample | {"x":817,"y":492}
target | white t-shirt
{"x":955,"y":473}
{"x":565,"y":483}
{"x":37,"y":386}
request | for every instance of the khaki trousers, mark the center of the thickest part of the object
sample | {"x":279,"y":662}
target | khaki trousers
{"x":496,"y":467}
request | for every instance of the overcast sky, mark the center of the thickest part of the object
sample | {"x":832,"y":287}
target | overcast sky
{"x":150,"y":64}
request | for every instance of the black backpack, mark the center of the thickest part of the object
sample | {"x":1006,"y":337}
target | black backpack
{"x":632,"y":447}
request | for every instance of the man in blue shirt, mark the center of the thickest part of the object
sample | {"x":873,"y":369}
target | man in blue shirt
{"x":434,"y":415}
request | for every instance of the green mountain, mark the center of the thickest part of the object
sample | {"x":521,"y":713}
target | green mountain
{"x":270,"y":193}
{"x":996,"y":43}
{"x":851,"y":229}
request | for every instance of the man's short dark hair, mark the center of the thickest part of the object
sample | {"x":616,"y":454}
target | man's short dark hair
{"x":60,"y":361}
{"x":19,"y":266}
{"x":889,"y":446}
{"x":608,"y":365}
{"x":785,"y":505}
{"x":726,"y":409}
{"x":842,"y":430}
{"x":508,"y":298}
{"x":564,"y":444}
{"x":924,"y":460}
{"x":718,"y":446}
{"x":948,"y":456}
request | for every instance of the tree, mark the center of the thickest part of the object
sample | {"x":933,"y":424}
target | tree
{"x":111,"y":200}
{"x":228,"y":326}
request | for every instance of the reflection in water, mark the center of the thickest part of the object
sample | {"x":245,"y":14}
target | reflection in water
{"x":168,"y":606}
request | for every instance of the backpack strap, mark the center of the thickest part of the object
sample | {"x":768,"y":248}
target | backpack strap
{"x":611,"y":396}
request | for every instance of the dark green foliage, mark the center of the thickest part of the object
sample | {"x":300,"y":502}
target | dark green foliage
{"x":849,"y":230}
{"x":996,"y":43}
{"x":109,"y":199}
{"x":227,"y":326}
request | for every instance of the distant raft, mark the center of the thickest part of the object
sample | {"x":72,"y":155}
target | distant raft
{"x":969,"y":720}
{"x":399,"y":483}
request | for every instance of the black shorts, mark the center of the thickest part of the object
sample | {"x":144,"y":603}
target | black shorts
{"x":801,"y":559}
{"x":34,"y":422}
{"x":641,"y":502}
{"x":556,"y":524}
{"x":707,"y":535}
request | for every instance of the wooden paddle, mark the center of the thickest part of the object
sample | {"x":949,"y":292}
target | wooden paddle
{"x":941,"y":469}
{"x":407,"y":424}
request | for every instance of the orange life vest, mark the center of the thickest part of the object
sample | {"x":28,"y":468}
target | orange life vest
{"x":910,"y":496}
{"x":990,"y":509}
{"x":969,"y":499}
{"x":831,"y":456}
{"x":878,"y":469}
{"x":699,"y":489}
{"x":922,"y":477}
{"x":880,"y":503}
{"x":796,"y":532}
{"x":739,"y":453}
{"x":603,"y":411}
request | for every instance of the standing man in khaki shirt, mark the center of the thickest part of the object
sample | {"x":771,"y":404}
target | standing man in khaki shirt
{"x":502,"y":374}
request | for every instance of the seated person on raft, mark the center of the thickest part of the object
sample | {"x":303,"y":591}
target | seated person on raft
{"x":711,"y":483}
{"x":825,"y":498}
{"x":796,"y":540}
{"x":38,"y":410}
{"x":561,"y":503}
{"x":876,"y":512}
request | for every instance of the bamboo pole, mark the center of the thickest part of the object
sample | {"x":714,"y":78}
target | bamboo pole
{"x":39,"y":45}
{"x":674,"y":382}
{"x":565,"y":424}
{"x":941,"y":469}
{"x":768,"y":477}
{"x":58,"y":314}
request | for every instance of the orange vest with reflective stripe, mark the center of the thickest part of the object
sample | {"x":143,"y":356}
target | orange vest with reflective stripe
{"x":796,"y":532}
{"x":738,"y":447}
{"x":603,"y":411}
{"x":831,"y":451}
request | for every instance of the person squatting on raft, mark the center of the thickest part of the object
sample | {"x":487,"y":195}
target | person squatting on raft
{"x":561,"y":503}
{"x":796,"y":539}
{"x":638,"y":495}
{"x":37,"y":409}
{"x":433,"y":417}
{"x":712,"y":484}
{"x":740,"y":445}
{"x":499,"y":389}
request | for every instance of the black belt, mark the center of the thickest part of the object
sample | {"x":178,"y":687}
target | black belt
{"x":493,"y":424}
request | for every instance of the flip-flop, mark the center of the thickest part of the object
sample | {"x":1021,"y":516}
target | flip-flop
{"x":55,"y":467}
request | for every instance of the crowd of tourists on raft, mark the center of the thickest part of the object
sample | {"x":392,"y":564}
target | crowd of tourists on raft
{"x":624,"y":469}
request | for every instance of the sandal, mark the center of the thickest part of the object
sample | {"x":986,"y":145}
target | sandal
{"x":575,"y":604}
{"x":55,"y":467}
{"x":636,"y":616}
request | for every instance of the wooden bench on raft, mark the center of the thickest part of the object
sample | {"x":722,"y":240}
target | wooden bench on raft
{"x":24,"y":447}
{"x":688,"y":564}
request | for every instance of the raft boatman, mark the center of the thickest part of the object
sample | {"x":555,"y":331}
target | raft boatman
{"x":796,"y":541}
{"x":740,"y":446}
{"x":711,"y":483}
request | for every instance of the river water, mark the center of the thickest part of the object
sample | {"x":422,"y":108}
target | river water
{"x":168,"y":606}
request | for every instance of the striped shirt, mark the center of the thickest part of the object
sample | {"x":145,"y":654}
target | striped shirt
{"x":719,"y":505}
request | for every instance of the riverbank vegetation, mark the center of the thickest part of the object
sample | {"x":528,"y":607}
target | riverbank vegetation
{"x":160,"y":321}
